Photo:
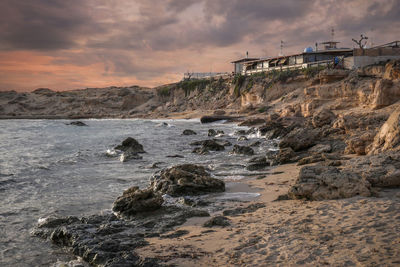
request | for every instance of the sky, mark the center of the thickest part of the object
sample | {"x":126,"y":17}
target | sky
{"x":71,"y":44}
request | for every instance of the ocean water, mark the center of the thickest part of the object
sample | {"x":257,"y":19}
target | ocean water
{"x":48,"y":167}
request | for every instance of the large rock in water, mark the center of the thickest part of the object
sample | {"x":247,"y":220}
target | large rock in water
{"x":324,"y":182}
{"x":186,"y":179}
{"x":300,"y":139}
{"x":130,"y":144}
{"x":207,"y":145}
{"x":134,"y":200}
{"x":242,"y":150}
{"x":388,"y":137}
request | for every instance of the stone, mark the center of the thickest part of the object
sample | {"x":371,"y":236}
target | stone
{"x":257,"y":163}
{"x":273,"y":130}
{"x":358,"y":143}
{"x":242,"y":150}
{"x":209,"y":119}
{"x":281,"y":156}
{"x":242,"y":138}
{"x":388,"y":137}
{"x":184,"y":180}
{"x":252,"y":122}
{"x":188,"y":132}
{"x":135,"y":200}
{"x":217,"y":221}
{"x":323,"y":117}
{"x":130,"y":144}
{"x":300,"y":139}
{"x":327,"y":182}
{"x":392,"y":70}
{"x":207,"y":145}
{"x":384,"y":94}
{"x":320,"y":148}
{"x":77,"y":123}
{"x":212,"y":132}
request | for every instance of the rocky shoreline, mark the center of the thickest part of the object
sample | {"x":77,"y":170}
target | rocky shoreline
{"x":333,"y":199}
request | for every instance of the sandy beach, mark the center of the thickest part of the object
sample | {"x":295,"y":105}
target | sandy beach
{"x":356,"y":231}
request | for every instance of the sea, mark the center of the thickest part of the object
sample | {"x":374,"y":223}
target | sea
{"x":48,"y":167}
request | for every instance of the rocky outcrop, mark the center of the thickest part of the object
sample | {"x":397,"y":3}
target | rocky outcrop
{"x":252,"y":122}
{"x":392,"y":70}
{"x":186,"y":179}
{"x":282,"y":156}
{"x":242,"y":150}
{"x":358,"y":143}
{"x":382,"y":170}
{"x":130,"y":144}
{"x":384,"y":94}
{"x":332,"y":75}
{"x":134,"y":201}
{"x":188,"y":132}
{"x":323,"y":117}
{"x":257,"y":163}
{"x":325,"y":182}
{"x":299,"y":139}
{"x":388,"y":137}
{"x":273,"y":130}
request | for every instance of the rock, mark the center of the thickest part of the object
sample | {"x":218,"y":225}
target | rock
{"x":201,"y":151}
{"x":242,"y":138}
{"x":252,"y":122}
{"x":326,"y":182}
{"x":283,"y":156}
{"x":388,"y":137}
{"x":175,"y":156}
{"x":77,"y":123}
{"x":381,"y":170}
{"x":323,"y":117}
{"x":208,"y":145}
{"x":209,"y":119}
{"x":384,"y":94}
{"x":240,"y":132}
{"x":134,"y":201}
{"x":52,"y":222}
{"x":358,"y":143}
{"x":223,"y":142}
{"x":332,"y":75}
{"x":186,"y":179}
{"x":132,"y":145}
{"x":257,"y":163}
{"x":256,"y":143}
{"x":299,"y":139}
{"x":273,"y":130}
{"x":242,"y":150}
{"x":188,"y":132}
{"x":392,"y":70}
{"x":217,"y":221}
{"x":320,"y":148}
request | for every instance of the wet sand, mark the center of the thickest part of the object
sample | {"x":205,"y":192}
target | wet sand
{"x":357,"y":231}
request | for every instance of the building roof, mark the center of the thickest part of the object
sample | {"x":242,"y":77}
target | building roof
{"x":244,"y":60}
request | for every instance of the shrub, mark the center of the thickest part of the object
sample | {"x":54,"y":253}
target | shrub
{"x":238,"y":81}
{"x":164,"y":92}
{"x":191,"y":85}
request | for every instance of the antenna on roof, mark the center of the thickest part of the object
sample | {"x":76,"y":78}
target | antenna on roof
{"x":247,"y":54}
{"x":281,"y":51}
{"x":333,"y":34}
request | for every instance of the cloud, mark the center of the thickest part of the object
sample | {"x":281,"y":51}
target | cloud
{"x":150,"y":41}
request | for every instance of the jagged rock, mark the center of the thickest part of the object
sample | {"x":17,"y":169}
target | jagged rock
{"x":206,"y":146}
{"x":77,"y":123}
{"x":242,"y":150}
{"x":273,"y":130}
{"x":392,"y":70}
{"x":188,"y":132}
{"x":281,"y":156}
{"x":332,"y":75}
{"x":326,"y":182}
{"x":300,"y":139}
{"x":186,"y":179}
{"x":388,"y":137}
{"x":323,"y":117}
{"x":132,"y":145}
{"x":382,"y":170}
{"x":320,"y":148}
{"x":384,"y":94}
{"x":134,"y":200}
{"x":359,"y":143}
{"x":52,"y":221}
{"x":252,"y":122}
{"x":242,"y":138}
{"x":333,"y":159}
{"x":256,"y":143}
{"x":217,"y":221}
{"x":257,"y":163}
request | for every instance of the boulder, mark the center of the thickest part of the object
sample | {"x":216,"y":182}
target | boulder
{"x":257,"y":163}
{"x":320,"y":148}
{"x":392,"y":70}
{"x":299,"y":139}
{"x":209,"y":119}
{"x":252,"y":122}
{"x":135,"y":200}
{"x":77,"y":123}
{"x":323,"y":117}
{"x":242,"y":150}
{"x":130,"y":144}
{"x":273,"y":130}
{"x":212,"y":132}
{"x":207,"y":145}
{"x":242,"y":138}
{"x":388,"y":137}
{"x":359,"y":143}
{"x":326,"y":182}
{"x":186,"y":179}
{"x":382,"y":170}
{"x":384,"y":94}
{"x":217,"y":221}
{"x":188,"y":132}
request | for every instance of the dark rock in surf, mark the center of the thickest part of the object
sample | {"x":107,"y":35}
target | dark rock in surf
{"x":186,"y":179}
{"x":130,"y":144}
{"x":77,"y":123}
{"x":242,"y":150}
{"x":188,"y":132}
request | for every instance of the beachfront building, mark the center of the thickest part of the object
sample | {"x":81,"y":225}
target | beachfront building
{"x":324,"y":55}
